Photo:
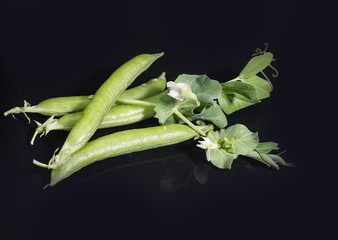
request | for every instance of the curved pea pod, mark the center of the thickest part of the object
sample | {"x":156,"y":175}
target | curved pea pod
{"x":117,"y":116}
{"x":60,"y":106}
{"x":102,"y":101}
{"x":145,"y":90}
{"x":120,"y":143}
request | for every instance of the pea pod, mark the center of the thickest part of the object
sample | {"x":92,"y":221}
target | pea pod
{"x":60,"y":106}
{"x":119,"y":143}
{"x":117,"y":116}
{"x":102,"y":101}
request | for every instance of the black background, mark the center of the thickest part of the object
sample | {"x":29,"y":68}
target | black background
{"x":62,"y":48}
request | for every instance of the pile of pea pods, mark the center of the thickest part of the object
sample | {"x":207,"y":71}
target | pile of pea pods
{"x":114,"y":104}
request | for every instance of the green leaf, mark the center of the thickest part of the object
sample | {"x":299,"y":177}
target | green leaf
{"x":266,"y":147}
{"x":263,"y":158}
{"x":242,"y":90}
{"x":256,"y":156}
{"x":171,"y":120}
{"x":232,"y":102}
{"x":271,"y":160}
{"x":278,"y":159}
{"x":244,"y":142}
{"x":203,"y":87}
{"x":267,"y":158}
{"x":217,"y":156}
{"x":256,"y":65}
{"x":164,"y":108}
{"x":213,"y":114}
{"x":262,"y":86}
{"x":213,"y":136}
{"x":221,"y":158}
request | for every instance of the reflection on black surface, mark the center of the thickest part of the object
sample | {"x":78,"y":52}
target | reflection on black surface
{"x":178,"y":174}
{"x":201,"y":173}
{"x":180,"y":169}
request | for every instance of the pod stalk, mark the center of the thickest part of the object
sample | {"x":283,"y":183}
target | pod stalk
{"x":17,"y":110}
{"x":42,"y":129}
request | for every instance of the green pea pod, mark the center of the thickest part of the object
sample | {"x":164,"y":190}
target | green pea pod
{"x":117,"y":116}
{"x":119,"y":143}
{"x":60,"y":106}
{"x":102,"y":101}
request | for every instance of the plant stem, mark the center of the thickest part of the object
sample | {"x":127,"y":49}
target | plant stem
{"x":37,"y":163}
{"x":34,"y":136}
{"x":235,"y":79}
{"x":190,"y":124}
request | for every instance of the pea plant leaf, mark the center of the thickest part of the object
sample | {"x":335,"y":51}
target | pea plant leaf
{"x":205,"y":89}
{"x":224,"y":146}
{"x":214,"y":153}
{"x":231,"y":101}
{"x":263,"y":158}
{"x":256,"y":65}
{"x":279,"y":160}
{"x":242,"y":90}
{"x":164,"y":108}
{"x":263,"y":87}
{"x":213,"y":136}
{"x":221,"y":158}
{"x":212,"y":113}
{"x":241,"y":96}
{"x":243,"y":141}
{"x":271,"y":160}
{"x":266,"y":147}
{"x":202,"y":86}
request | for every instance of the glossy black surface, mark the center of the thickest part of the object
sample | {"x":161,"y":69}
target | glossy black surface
{"x":63,"y":48}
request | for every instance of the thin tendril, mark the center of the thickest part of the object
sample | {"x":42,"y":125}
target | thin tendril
{"x":266,"y":77}
{"x":259,"y":51}
{"x":266,"y":47}
{"x":276,"y":73}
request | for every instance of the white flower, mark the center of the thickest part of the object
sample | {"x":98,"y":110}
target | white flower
{"x":207,"y":144}
{"x":180,"y":91}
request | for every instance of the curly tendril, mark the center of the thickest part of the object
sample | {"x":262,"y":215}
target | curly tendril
{"x":258,"y":52}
